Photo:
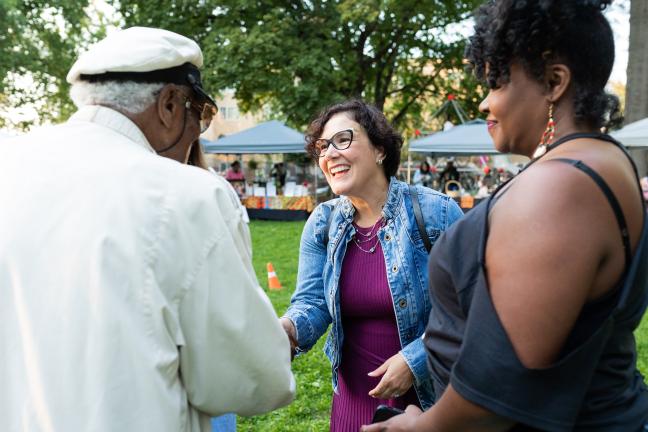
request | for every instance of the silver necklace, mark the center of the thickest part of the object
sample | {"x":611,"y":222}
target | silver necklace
{"x":367,"y":239}
{"x":372,"y":249}
{"x":371,"y":230}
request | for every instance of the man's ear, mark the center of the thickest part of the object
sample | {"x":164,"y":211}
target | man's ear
{"x":557,"y":81}
{"x":168,"y":106}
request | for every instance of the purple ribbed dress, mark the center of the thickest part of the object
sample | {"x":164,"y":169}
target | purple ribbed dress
{"x":370,"y":335}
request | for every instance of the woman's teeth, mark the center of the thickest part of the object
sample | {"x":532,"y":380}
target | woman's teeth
{"x":338,"y":169}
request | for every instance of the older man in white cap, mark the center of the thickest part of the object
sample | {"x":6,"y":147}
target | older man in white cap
{"x":124,"y":307}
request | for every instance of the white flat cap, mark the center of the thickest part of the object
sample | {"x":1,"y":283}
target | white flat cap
{"x":136,"y":49}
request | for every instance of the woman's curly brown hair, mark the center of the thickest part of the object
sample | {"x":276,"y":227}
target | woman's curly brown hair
{"x":381,"y":134}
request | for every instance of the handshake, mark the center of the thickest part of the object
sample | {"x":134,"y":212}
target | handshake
{"x":289,"y":328}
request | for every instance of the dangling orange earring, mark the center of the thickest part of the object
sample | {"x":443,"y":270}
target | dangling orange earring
{"x":548,"y":135}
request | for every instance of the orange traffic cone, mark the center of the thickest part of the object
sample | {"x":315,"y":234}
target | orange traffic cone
{"x":273,"y":280}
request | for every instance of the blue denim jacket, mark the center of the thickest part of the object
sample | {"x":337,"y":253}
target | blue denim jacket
{"x":316,"y":301}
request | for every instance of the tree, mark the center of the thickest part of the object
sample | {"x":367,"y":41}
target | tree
{"x":636,"y":107}
{"x":297,"y":56}
{"x":637,"y":85}
{"x":291,"y":57}
{"x":39,"y":43}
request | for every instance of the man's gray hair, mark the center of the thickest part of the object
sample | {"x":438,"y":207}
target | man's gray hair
{"x":125,"y":96}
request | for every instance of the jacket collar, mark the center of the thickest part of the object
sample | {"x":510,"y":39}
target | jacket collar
{"x":390,"y":208}
{"x":113,"y":120}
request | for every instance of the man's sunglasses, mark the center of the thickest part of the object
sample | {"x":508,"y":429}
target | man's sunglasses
{"x":207,"y":112}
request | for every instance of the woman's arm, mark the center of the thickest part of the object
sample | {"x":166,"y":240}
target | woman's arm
{"x":452,"y":413}
{"x":308,"y":311}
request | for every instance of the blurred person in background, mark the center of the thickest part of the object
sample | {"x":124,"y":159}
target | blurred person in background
{"x":449,"y":173}
{"x":235,"y":172}
{"x":423,"y":176}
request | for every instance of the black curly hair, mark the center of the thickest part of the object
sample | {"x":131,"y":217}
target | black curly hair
{"x":536,"y":33}
{"x":380,"y":132}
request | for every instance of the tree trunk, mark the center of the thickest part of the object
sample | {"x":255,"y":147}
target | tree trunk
{"x":637,"y":85}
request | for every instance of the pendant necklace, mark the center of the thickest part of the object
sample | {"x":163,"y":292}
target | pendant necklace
{"x":372,"y":234}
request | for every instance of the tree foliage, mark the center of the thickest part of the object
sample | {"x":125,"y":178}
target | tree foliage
{"x":39,"y":42}
{"x":296,"y":56}
{"x":289,"y":57}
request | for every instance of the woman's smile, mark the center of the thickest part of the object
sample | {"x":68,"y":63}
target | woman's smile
{"x":339,"y":170}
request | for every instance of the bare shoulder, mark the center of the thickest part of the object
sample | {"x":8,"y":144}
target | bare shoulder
{"x":554,"y":245}
{"x":551,"y":192}
{"x":554,"y":189}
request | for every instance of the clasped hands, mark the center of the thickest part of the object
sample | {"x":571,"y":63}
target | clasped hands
{"x":397,"y":378}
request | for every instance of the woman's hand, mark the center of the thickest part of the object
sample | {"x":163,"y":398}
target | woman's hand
{"x":400,"y":423}
{"x":397,"y":378}
{"x":290,"y":330}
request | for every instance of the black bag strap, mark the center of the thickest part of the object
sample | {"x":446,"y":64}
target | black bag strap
{"x":328,"y":225}
{"x":418,"y":215}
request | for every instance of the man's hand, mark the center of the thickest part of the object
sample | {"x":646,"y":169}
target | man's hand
{"x":397,"y":378}
{"x":400,"y":423}
{"x":289,"y":328}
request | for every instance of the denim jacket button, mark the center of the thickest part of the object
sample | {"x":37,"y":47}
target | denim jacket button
{"x":387,"y":237}
{"x":395,"y":269}
{"x":402,"y":303}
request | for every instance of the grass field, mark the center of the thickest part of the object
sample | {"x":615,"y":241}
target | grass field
{"x":278,"y":242}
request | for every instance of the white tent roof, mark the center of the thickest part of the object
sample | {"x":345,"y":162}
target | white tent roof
{"x":634,"y":135}
{"x":470,"y":138}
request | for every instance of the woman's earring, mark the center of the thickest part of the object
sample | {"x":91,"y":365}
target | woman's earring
{"x":379,"y":161}
{"x":547,"y":136}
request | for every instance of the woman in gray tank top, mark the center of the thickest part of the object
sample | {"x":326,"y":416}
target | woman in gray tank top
{"x":537,"y":291}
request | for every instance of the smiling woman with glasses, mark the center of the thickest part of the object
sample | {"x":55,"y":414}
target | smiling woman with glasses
{"x":363,"y":267}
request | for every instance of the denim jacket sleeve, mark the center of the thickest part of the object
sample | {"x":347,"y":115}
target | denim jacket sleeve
{"x":414,"y":352}
{"x":415,"y":357}
{"x":454,"y":212}
{"x":308,"y":309}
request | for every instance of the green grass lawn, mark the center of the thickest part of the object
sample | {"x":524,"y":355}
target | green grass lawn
{"x":278,"y":243}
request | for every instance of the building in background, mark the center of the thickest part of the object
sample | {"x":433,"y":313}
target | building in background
{"x":229,"y":120}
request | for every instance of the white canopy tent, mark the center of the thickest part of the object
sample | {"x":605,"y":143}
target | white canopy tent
{"x":634,"y":135}
{"x":468,"y":139}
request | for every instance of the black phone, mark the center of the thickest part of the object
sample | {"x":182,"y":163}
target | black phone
{"x":384,"y":412}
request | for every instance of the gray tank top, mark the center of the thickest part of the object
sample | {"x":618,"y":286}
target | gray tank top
{"x":594,"y":385}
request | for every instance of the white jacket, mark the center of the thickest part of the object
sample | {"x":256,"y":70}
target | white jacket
{"x":123,"y":308}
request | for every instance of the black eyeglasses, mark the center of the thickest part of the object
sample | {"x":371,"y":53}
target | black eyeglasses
{"x":341,"y":141}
